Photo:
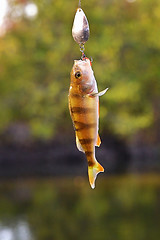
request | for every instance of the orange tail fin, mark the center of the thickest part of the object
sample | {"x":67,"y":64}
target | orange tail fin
{"x":93,"y":171}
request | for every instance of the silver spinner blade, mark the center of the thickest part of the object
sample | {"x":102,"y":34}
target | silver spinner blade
{"x":80,"y":29}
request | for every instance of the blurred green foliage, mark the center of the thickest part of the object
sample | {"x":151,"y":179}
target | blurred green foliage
{"x":121,"y":208}
{"x":36,"y":57}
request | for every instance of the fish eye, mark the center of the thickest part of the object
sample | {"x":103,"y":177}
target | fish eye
{"x":77,"y":74}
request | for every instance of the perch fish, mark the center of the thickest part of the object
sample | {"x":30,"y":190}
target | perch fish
{"x":84,"y":110}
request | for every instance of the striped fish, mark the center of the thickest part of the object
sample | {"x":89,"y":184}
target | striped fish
{"x":84,"y":110}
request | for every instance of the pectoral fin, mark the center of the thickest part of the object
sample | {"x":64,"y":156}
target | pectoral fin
{"x":99,"y":94}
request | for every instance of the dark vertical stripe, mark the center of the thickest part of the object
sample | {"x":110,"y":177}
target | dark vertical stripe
{"x":90,"y":163}
{"x":82,"y":110}
{"x":80,"y":125}
{"x":75,"y":95}
{"x":89,"y":153}
{"x":86,"y":140}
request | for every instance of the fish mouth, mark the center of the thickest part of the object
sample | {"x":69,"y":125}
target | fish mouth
{"x":82,"y":63}
{"x":86,"y":60}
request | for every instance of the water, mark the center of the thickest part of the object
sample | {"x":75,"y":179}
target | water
{"x":16,"y":230}
{"x":121,"y":208}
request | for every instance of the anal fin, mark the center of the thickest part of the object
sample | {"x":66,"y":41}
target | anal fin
{"x":79,"y":146}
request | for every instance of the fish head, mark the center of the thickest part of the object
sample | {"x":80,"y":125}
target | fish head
{"x":83,"y":76}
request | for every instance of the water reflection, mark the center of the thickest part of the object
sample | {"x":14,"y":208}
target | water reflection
{"x":121,"y":208}
{"x":15,"y":231}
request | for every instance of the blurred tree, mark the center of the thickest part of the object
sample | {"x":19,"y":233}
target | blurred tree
{"x":37,"y":53}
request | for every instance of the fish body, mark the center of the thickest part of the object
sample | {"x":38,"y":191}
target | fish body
{"x":84,"y":111}
{"x":80,"y":29}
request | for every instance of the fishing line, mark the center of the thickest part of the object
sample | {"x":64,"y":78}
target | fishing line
{"x":79,"y":4}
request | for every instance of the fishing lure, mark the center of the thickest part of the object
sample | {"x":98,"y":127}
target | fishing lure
{"x":80,"y":29}
{"x":84,"y":99}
